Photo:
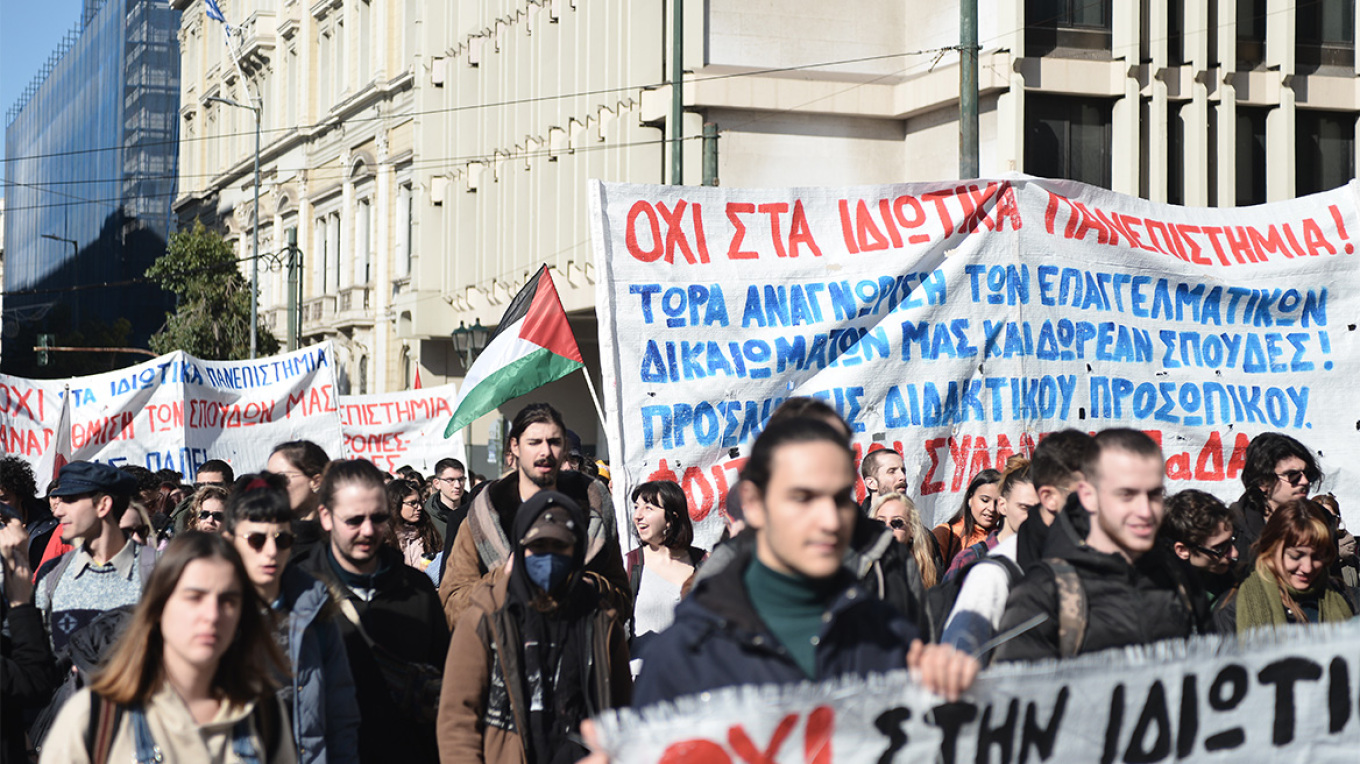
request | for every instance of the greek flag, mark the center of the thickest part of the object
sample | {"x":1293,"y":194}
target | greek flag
{"x":215,"y":13}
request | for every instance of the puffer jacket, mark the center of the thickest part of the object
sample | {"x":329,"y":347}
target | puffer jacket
{"x":1156,"y":598}
{"x":325,"y":710}
{"x":718,"y":640}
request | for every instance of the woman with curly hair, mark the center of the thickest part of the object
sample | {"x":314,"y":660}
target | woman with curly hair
{"x":207,"y":509}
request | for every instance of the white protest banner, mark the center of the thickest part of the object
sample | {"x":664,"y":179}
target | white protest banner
{"x":395,"y":429}
{"x":1291,"y":698}
{"x":29,"y":412}
{"x":176,"y":411}
{"x":960,"y":323}
{"x":238,"y":410}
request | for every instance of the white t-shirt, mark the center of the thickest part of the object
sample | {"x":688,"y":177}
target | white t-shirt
{"x":982,"y":601}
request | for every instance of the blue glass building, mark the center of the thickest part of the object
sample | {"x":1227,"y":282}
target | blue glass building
{"x":91,"y":152}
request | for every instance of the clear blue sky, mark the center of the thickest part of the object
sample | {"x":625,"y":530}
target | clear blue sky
{"x":29,"y":31}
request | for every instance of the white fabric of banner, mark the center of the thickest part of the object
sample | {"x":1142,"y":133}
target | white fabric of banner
{"x":177,"y":411}
{"x":396,"y":429}
{"x":1285,"y":698}
{"x":959,"y":323}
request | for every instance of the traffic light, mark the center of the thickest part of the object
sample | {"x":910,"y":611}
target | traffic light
{"x":45,"y":342}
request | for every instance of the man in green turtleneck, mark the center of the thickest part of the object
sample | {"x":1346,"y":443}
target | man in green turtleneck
{"x":788,"y":610}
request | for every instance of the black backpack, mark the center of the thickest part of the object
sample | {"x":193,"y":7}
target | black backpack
{"x":941,"y":597}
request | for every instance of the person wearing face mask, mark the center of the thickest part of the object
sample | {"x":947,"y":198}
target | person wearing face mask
{"x":536,"y":651}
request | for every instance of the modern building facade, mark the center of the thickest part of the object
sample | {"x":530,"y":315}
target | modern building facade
{"x":90,"y":174}
{"x":434,"y":168}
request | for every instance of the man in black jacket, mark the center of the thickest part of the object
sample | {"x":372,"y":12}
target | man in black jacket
{"x":396,"y":606}
{"x":1276,"y":469}
{"x":1115,"y":587}
{"x":786,"y":609}
{"x":445,"y":506}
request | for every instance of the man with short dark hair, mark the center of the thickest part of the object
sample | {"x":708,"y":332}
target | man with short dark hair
{"x":537,"y":440}
{"x":1115,"y":587}
{"x":105,"y":570}
{"x":1198,"y":528}
{"x":785,"y":609}
{"x":445,"y":505}
{"x":883,"y":471}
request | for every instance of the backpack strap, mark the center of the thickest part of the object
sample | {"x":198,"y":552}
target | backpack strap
{"x":632,"y":562}
{"x":1072,"y":611}
{"x":104,"y":720}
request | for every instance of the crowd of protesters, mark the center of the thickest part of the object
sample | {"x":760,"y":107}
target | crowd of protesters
{"x":324,"y":611}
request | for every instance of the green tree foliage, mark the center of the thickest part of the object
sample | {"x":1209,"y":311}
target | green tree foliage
{"x":212,"y":316}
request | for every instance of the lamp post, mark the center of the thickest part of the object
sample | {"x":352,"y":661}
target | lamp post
{"x":469,"y":342}
{"x":255,"y":254}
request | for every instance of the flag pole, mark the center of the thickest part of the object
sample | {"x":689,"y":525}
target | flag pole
{"x":595,"y":398}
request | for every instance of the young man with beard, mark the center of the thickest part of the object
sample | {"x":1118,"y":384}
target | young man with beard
{"x":383,"y":600}
{"x":1112,"y":586}
{"x":883,"y":471}
{"x":483,"y":548}
{"x":445,"y":505}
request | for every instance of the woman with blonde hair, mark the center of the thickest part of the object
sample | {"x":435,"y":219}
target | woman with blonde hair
{"x":898,"y":512}
{"x":208,"y":509}
{"x":190,"y":678}
{"x":1290,"y":582}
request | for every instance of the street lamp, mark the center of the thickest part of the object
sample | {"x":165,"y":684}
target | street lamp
{"x":470,"y":341}
{"x":255,"y":255}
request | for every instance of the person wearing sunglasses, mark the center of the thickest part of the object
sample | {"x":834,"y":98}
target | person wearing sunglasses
{"x":391,"y":613}
{"x":1198,"y":528}
{"x":1277,"y":469}
{"x":207,"y":509}
{"x":319,"y":692}
{"x":1289,"y":583}
{"x":897,"y":511}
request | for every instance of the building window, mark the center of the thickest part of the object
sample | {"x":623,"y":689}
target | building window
{"x":1068,"y":137}
{"x":291,"y":102}
{"x":1067,"y":26}
{"x":406,"y":371}
{"x":363,"y":375}
{"x":1175,"y":152}
{"x":1324,"y":154}
{"x":405,"y":230}
{"x":324,"y":255}
{"x":409,"y":33}
{"x":1325,"y":34}
{"x":365,"y":9}
{"x":333,"y":245}
{"x":339,"y":49}
{"x":1251,"y":34}
{"x":1251,"y":155}
{"x":363,"y":241}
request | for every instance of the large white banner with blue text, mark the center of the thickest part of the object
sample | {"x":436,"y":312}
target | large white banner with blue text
{"x":960,"y":322}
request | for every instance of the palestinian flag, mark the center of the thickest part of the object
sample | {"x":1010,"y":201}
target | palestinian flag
{"x":532,"y":346}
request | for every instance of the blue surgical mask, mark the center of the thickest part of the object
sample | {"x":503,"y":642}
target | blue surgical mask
{"x":548,"y":571}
